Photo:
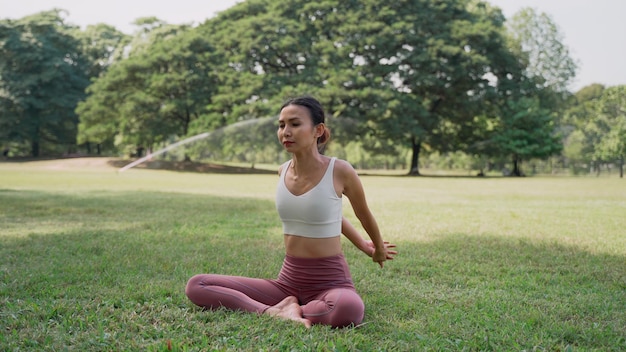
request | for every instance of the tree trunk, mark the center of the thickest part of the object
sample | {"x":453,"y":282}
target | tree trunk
{"x":416,"y":143}
{"x":34,"y":133}
{"x":621,"y":166}
{"x":516,"y":167}
{"x":416,"y":146}
{"x":34,"y":142}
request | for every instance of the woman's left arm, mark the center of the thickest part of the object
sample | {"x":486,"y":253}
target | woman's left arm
{"x":353,"y":189}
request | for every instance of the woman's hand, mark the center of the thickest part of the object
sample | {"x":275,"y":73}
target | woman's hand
{"x":380,"y":256}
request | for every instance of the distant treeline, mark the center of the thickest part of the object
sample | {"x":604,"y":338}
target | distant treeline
{"x":406,"y":84}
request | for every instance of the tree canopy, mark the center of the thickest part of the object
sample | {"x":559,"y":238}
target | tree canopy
{"x":164,"y":84}
{"x":43,"y":74}
{"x":397,"y":79}
{"x":411,"y":72}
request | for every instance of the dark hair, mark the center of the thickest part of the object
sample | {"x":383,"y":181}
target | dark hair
{"x":317,"y":116}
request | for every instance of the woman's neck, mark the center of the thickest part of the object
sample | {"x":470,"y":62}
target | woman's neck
{"x":306,"y":163}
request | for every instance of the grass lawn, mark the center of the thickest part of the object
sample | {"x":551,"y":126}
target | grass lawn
{"x":94,"y":260}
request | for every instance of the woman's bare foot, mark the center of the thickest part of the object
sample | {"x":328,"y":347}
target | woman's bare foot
{"x":288,"y":309}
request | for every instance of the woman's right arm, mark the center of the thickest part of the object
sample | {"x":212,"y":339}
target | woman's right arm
{"x":359,"y":242}
{"x":353,"y":235}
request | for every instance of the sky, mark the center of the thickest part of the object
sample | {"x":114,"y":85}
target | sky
{"x":594,"y":31}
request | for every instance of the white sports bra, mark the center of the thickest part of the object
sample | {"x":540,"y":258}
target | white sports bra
{"x":316,"y":213}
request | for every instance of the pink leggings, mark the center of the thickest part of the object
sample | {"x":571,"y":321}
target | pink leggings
{"x":323,"y":287}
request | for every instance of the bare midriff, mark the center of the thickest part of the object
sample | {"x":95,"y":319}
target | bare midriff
{"x":307,"y":247}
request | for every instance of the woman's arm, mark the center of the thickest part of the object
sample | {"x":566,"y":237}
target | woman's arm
{"x":354,"y":236}
{"x":359,"y":242}
{"x":353,"y":189}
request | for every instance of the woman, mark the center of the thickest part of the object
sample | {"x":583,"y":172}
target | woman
{"x":314,"y":285}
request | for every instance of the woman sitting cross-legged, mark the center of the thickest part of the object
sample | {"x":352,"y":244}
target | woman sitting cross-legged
{"x":314,"y":285}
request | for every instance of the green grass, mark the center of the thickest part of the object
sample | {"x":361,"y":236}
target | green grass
{"x":95,"y":260}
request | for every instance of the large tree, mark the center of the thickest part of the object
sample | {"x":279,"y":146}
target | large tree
{"x":596,"y":122}
{"x":411,"y":72}
{"x":578,"y":141}
{"x":103,"y":45}
{"x":530,"y":108}
{"x":610,"y":122}
{"x":269,"y":52}
{"x":525,"y":131}
{"x":539,"y":42}
{"x":43,"y":74}
{"x":157,"y":92}
{"x":443,"y":61}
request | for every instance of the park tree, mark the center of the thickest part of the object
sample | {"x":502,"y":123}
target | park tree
{"x":410,"y":72}
{"x":547,"y":59}
{"x":610,"y":123}
{"x":268,"y":54}
{"x":43,"y":74}
{"x":156,"y":92}
{"x":102,"y":44}
{"x":579,"y":139}
{"x":272,"y":50}
{"x":529,"y":111}
{"x":525,"y":131}
{"x":444,"y":63}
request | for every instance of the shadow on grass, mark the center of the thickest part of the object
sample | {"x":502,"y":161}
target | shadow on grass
{"x":495,"y":293}
{"x":457,"y":292}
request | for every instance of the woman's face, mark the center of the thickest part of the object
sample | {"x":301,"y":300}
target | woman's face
{"x":295,"y":129}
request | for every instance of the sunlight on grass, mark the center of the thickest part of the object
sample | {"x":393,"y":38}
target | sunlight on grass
{"x":585,"y":212}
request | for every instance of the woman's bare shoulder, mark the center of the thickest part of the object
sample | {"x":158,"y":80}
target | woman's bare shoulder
{"x":282,"y":166}
{"x":344,"y":168}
